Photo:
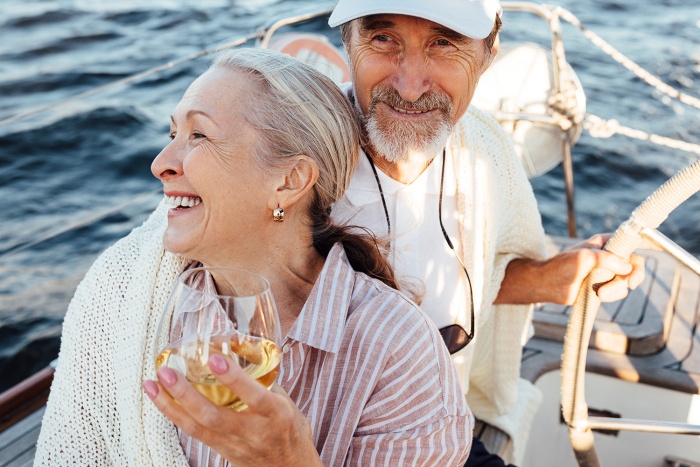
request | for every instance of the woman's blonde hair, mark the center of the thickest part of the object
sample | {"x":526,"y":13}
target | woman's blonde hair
{"x":297,"y":110}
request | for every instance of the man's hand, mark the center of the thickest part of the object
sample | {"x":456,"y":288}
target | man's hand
{"x":271,"y":431}
{"x":558,"y":279}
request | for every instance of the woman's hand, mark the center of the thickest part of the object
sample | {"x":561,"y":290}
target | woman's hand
{"x":271,"y":431}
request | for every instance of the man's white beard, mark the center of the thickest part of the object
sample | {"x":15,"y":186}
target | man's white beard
{"x":402,"y":141}
{"x":399,"y":141}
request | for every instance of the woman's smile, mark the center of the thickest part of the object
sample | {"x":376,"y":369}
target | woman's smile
{"x":183,"y":201}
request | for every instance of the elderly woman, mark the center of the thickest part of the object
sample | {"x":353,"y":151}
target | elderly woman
{"x":262,"y":146}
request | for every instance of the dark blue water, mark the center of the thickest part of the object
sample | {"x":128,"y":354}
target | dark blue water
{"x":91,"y":158}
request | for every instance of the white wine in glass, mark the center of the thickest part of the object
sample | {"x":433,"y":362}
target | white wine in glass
{"x":226,"y":311}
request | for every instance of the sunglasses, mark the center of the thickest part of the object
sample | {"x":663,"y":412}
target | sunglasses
{"x":455,"y":337}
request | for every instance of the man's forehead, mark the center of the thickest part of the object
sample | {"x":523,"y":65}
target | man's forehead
{"x":390,"y":21}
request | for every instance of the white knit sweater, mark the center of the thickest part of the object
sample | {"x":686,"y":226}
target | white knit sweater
{"x":499,"y":221}
{"x":124,"y":290}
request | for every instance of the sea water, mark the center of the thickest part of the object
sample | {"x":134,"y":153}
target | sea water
{"x":84,"y":168}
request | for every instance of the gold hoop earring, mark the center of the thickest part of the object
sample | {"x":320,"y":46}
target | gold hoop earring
{"x":278,"y":215}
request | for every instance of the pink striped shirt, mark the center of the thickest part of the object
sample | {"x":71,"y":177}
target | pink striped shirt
{"x":372,"y":376}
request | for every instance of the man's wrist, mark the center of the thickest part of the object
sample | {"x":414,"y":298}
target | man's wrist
{"x":523,"y":283}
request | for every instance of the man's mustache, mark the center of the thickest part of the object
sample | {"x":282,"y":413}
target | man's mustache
{"x":430,"y":100}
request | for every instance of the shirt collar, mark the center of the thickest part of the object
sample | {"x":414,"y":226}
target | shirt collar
{"x":322,"y":319}
{"x":363,"y":187}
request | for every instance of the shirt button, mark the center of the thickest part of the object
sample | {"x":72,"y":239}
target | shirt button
{"x":408,"y":247}
{"x":286,"y":347}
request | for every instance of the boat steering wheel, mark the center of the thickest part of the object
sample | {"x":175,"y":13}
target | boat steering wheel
{"x":647,"y":217}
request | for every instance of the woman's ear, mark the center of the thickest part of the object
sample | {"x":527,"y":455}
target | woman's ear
{"x":295,"y":183}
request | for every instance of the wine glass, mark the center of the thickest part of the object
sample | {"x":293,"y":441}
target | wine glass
{"x":220,"y":310}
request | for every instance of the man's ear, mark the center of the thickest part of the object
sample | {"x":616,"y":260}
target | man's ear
{"x":295,"y":182}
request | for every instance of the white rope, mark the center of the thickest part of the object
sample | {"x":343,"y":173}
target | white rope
{"x":600,"y":128}
{"x":649,"y":78}
{"x":650,"y":214}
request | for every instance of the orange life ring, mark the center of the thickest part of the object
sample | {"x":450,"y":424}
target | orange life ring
{"x":315,"y":50}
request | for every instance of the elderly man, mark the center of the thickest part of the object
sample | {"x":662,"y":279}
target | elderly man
{"x":441,"y":181}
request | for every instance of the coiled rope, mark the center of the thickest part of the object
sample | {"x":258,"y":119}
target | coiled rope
{"x":650,"y":214}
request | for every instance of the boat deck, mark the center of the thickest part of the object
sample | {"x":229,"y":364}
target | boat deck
{"x":18,"y":443}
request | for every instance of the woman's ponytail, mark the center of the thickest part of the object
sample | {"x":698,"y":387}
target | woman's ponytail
{"x":364,"y":250}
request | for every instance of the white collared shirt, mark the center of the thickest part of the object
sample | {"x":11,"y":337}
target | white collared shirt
{"x":419,"y":252}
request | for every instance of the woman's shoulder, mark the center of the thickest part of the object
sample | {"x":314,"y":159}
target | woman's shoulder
{"x":388,"y":314}
{"x":392,"y":340}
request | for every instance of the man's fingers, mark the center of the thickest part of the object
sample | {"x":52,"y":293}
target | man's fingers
{"x":631,"y":272}
{"x":613,"y":263}
{"x":612,"y":291}
{"x":638,"y":271}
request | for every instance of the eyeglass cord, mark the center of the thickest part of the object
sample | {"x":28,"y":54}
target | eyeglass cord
{"x":470,"y":335}
{"x":381,"y":193}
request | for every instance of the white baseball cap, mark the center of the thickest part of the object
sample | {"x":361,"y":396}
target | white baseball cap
{"x":472,"y":18}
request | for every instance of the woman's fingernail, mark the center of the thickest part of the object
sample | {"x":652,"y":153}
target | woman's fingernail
{"x":218,"y":363}
{"x":167,"y":376}
{"x":151,"y":389}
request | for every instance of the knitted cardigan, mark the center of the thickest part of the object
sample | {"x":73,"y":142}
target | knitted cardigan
{"x":499,"y":221}
{"x":97,"y":413}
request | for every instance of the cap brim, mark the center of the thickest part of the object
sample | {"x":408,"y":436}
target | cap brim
{"x":473,"y":19}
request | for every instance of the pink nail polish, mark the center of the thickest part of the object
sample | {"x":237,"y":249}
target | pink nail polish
{"x":151,"y":389}
{"x":167,"y":376}
{"x":218,"y":364}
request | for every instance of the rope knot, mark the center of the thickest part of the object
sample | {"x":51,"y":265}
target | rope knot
{"x":599,"y":128}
